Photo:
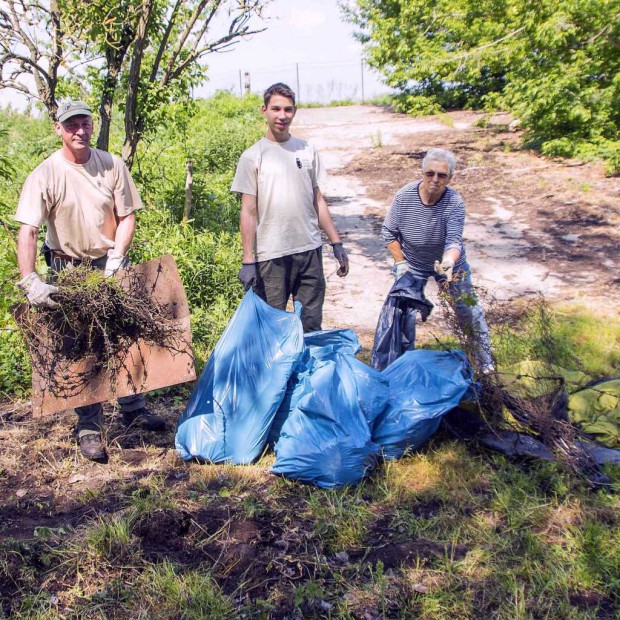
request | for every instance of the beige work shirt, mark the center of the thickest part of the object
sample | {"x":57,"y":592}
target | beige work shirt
{"x":79,"y":203}
{"x":282,"y":176}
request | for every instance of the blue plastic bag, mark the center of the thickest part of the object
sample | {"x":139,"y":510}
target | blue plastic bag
{"x":395,"y":331}
{"x":231,"y":409}
{"x":328,"y":341}
{"x":424,"y":385}
{"x":326,"y":438}
{"x":319,"y":344}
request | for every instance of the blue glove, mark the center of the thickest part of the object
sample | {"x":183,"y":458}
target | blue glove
{"x":248,"y":275}
{"x":340,"y":254}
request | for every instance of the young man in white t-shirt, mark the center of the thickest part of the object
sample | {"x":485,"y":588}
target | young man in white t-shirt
{"x":282,"y":214}
{"x":87,"y":200}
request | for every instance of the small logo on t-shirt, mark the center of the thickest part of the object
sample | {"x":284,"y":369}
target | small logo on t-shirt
{"x":298,"y":162}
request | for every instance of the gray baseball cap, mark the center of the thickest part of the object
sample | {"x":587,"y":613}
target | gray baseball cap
{"x":69,"y":108}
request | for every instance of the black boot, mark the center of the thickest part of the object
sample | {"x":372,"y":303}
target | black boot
{"x":143,"y":418}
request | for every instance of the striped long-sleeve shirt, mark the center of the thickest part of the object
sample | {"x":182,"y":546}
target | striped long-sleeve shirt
{"x":425,"y":232}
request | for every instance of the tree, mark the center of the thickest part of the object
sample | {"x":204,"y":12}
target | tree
{"x":555,"y":64}
{"x":148,"y":49}
{"x":32,"y":45}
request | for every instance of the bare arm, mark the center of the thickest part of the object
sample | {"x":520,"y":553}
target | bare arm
{"x":124,"y":234}
{"x":27,"y":249}
{"x":396,"y":251}
{"x":247,"y":225}
{"x":325,"y":218}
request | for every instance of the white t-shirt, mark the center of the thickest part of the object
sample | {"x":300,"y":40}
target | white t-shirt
{"x":79,"y":203}
{"x":282,"y":176}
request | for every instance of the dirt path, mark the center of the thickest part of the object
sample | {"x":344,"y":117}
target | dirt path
{"x":533,"y":225}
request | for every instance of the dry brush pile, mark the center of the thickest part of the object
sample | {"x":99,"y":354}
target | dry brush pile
{"x":513,"y":406}
{"x":97,"y":321}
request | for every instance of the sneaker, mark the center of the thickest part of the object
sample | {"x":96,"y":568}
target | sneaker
{"x":91,"y":447}
{"x":143,"y":418}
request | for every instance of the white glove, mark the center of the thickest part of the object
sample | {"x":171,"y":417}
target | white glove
{"x":400,"y":269}
{"x":445,"y":268}
{"x":38,"y":292}
{"x":114,"y":262}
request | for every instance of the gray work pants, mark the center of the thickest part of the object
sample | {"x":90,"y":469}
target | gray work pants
{"x":297,"y":275}
{"x":90,"y":417}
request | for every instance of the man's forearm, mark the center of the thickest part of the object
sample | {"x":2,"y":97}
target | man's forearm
{"x":396,"y":251}
{"x":325,"y":219}
{"x":27,"y":249}
{"x":247,"y":227}
{"x":124,"y":234}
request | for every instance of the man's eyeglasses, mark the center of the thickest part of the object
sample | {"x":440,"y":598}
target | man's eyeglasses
{"x":431,"y":173}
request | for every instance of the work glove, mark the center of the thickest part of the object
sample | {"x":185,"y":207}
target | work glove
{"x":444,"y":268}
{"x":38,"y":292}
{"x":340,"y":255}
{"x":114,"y":262}
{"x":248,"y":275}
{"x":400,"y":268}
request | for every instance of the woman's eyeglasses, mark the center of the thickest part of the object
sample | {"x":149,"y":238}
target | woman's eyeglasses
{"x":431,"y":173}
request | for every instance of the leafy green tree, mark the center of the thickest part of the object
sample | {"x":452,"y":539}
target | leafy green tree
{"x":150,"y":50}
{"x":555,"y":64}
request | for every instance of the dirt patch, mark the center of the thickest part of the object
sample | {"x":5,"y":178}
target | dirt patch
{"x":533,"y":225}
{"x":410,"y":553}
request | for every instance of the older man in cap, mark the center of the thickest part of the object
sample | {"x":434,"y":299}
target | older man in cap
{"x":87,"y":200}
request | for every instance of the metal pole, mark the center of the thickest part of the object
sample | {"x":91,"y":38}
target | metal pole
{"x":298,"y":91}
{"x":189,"y":182}
{"x":240,"y":85}
{"x":362,"y":80}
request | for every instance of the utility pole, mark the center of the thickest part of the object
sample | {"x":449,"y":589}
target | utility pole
{"x":298,"y":91}
{"x":247,"y":82}
{"x":240,"y":85}
{"x":189,"y":181}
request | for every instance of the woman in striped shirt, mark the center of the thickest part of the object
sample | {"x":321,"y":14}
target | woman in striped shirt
{"x":424,"y":234}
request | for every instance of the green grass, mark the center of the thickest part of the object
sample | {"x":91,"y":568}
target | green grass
{"x":569,"y":336}
{"x":473,"y":535}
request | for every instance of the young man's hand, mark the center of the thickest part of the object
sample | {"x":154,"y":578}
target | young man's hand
{"x":340,"y":255}
{"x":248,"y":275}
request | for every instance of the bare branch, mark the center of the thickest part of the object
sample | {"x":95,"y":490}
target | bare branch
{"x":185,"y":34}
{"x":164,"y":41}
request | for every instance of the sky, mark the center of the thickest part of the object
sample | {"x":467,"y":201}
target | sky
{"x":306,"y":44}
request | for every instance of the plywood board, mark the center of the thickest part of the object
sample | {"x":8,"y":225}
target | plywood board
{"x":145,"y":367}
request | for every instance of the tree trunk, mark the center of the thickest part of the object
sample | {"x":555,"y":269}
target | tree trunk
{"x":115,"y":57}
{"x":133,"y":125}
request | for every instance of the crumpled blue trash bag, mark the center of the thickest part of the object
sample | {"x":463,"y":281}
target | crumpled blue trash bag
{"x":328,"y":341}
{"x":319,"y":344}
{"x":326,"y":438}
{"x":232,"y":407}
{"x":424,"y":385}
{"x":395,"y":332}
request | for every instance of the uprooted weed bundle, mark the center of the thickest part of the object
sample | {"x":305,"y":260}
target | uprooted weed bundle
{"x":535,"y":401}
{"x":97,"y":321}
